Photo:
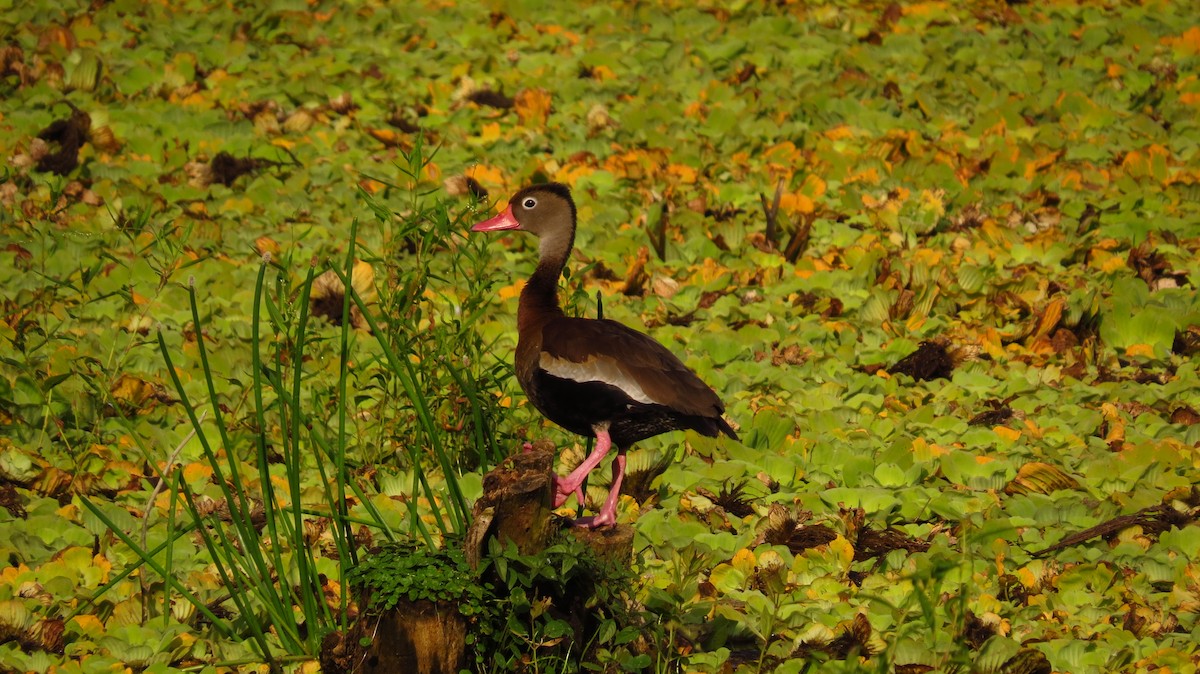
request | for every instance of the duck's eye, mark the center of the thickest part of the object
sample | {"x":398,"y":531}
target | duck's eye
{"x":529,"y":202}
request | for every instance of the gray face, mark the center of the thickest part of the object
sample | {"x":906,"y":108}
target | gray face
{"x":548,"y":216}
{"x":541,"y":212}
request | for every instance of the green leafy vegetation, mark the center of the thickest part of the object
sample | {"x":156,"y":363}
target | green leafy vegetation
{"x":938,"y":259}
{"x":398,"y":572}
{"x":565,"y":610}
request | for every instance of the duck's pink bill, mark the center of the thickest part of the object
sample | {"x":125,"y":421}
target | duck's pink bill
{"x":503,"y":221}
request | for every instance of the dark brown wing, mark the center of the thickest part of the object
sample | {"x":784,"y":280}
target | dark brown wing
{"x":603,"y":350}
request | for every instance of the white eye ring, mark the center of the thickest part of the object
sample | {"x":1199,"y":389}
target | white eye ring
{"x":529,"y":203}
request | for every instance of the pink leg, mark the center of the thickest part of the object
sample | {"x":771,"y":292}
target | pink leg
{"x":608,"y":512}
{"x":573,"y":483}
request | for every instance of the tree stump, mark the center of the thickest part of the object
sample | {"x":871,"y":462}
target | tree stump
{"x":420,"y":637}
{"x":612,"y":545}
{"x":516,"y":505}
{"x":429,"y":638}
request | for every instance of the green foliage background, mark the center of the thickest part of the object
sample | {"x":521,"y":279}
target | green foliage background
{"x":1020,"y":181}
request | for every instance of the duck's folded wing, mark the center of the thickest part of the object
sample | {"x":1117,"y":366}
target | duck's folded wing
{"x":606,"y":351}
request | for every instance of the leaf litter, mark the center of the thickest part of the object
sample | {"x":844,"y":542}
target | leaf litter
{"x":999,"y":202}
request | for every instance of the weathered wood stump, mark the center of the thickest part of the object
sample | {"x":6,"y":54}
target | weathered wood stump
{"x":429,"y":638}
{"x":613,"y":545}
{"x":420,"y":637}
{"x":516,"y":505}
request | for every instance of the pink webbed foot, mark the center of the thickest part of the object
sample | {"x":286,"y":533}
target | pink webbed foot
{"x":564,"y":487}
{"x":608,"y":512}
{"x":597,"y":521}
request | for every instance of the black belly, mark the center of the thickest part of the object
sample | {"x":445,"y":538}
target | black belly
{"x":579,"y":406}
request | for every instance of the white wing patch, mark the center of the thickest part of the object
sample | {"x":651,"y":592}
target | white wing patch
{"x":603,"y":370}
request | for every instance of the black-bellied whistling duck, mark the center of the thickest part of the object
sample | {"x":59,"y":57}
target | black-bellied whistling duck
{"x":596,"y":378}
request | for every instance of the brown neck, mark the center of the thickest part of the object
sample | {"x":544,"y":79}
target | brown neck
{"x":539,"y":298}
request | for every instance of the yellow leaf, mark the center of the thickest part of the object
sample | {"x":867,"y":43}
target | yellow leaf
{"x":490,"y":132}
{"x":131,"y":390}
{"x":197,"y":99}
{"x":196,"y":472}
{"x":9,"y":574}
{"x":843,"y":550}
{"x":101,"y":562}
{"x":987,"y":603}
{"x":1072,"y":179}
{"x":991,"y":343}
{"x":870,"y":176}
{"x":685,"y":173}
{"x":929,"y":256}
{"x":710,"y":270}
{"x":1139,"y":350}
{"x":573,"y":172}
{"x":744,"y":561}
{"x":1032,"y":168}
{"x":216,"y":77}
{"x":927,"y":9}
{"x":370,"y":186}
{"x":490,"y":177}
{"x":532,"y":106}
{"x":813,"y":186}
{"x":1034,"y":430}
{"x":1007,"y":433}
{"x":1148,"y":163}
{"x":1116,"y":425}
{"x":1040,"y":478}
{"x":386,"y":136}
{"x":839,"y":132}
{"x":1026,"y":577}
{"x":933,"y":201}
{"x":796,"y":203}
{"x":603,"y":73}
{"x":1050,"y":318}
{"x":1188,"y":43}
{"x":1105,"y":261}
{"x":553,"y":29}
{"x":89,"y":624}
{"x":925,"y":451}
{"x":785,"y":153}
{"x":510,"y":291}
{"x":770,"y":559}
{"x":362,"y":278}
{"x":265,"y":244}
{"x":636,"y":164}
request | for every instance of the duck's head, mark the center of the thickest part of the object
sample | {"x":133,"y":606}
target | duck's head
{"x":543,"y":210}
